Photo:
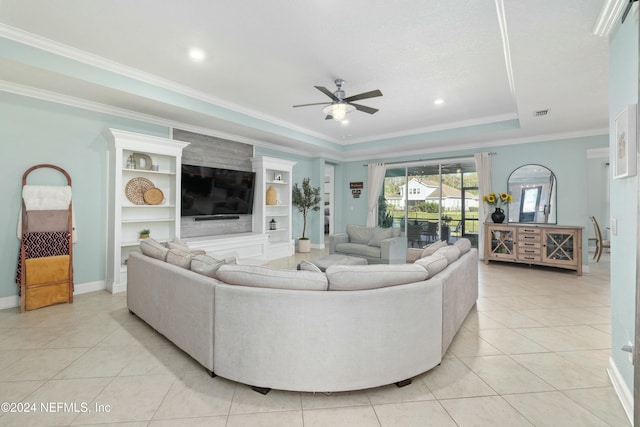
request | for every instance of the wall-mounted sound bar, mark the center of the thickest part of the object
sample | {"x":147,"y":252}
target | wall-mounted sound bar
{"x":215,"y":217}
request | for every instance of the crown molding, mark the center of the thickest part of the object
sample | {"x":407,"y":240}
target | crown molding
{"x":100,"y":62}
{"x":444,"y":127}
{"x":608,"y":18}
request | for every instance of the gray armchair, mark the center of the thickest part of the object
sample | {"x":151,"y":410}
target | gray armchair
{"x":377,"y":245}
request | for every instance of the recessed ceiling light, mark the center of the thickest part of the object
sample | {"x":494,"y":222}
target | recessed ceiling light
{"x":196,"y":54}
{"x":345,"y":122}
{"x":439,"y":101}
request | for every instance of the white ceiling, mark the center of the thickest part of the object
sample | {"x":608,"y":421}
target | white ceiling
{"x":494,"y":65}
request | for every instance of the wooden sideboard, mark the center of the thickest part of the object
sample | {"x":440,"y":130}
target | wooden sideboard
{"x":549,"y":245}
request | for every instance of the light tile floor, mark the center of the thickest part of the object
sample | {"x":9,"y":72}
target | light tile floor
{"x":533,"y":352}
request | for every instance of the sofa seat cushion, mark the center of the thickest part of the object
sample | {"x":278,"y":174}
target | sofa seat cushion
{"x":262,"y":277}
{"x":359,"y":277}
{"x":359,"y":249}
{"x":434,"y":264}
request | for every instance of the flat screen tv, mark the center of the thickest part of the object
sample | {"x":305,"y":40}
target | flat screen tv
{"x":215,"y":191}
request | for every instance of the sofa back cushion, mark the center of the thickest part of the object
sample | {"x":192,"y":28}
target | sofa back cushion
{"x":432,"y":248}
{"x":434,"y":264}
{"x":262,"y":277}
{"x":154,"y":249}
{"x":378,"y":235}
{"x":179,"y":257}
{"x":208,"y":266}
{"x":463,"y":244}
{"x":450,"y":252}
{"x":359,"y":234}
{"x":359,"y":277}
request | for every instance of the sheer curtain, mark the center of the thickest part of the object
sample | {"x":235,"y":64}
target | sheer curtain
{"x":375,"y":179}
{"x":483,"y":167}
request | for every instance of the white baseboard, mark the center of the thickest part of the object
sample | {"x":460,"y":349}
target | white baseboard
{"x":622,"y":390}
{"x":79,"y":288}
{"x":9,"y":302}
{"x":83,"y":288}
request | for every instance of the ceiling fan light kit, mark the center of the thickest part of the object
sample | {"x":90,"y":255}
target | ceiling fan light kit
{"x":340,"y":107}
{"x":338,"y":111}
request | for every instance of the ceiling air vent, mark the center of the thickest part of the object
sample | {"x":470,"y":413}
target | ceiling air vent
{"x":541,"y":113}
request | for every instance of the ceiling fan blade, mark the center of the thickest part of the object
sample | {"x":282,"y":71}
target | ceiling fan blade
{"x":365,"y":95}
{"x":316,"y":103}
{"x":364,"y":108}
{"x":327,"y":92}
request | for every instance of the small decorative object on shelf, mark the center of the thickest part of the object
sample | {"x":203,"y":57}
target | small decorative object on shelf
{"x":273,"y":224}
{"x":497,"y":201}
{"x":131,"y":162}
{"x":272,"y":196}
{"x":144,"y":233}
{"x":153,"y":196}
{"x":278,"y":177}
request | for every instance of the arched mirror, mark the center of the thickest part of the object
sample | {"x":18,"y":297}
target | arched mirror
{"x":533,"y":188}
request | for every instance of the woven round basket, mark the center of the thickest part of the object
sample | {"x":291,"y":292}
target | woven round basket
{"x":136,"y":188}
{"x":153,"y":196}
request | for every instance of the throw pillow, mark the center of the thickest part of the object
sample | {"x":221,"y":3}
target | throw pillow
{"x":432,"y":248}
{"x":308,"y":266}
{"x":179,"y":257}
{"x":206,"y":265}
{"x":153,"y":249}
{"x":379,"y":234}
{"x":463,"y":244}
{"x":434,"y":264}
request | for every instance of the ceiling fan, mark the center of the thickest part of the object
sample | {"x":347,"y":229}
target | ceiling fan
{"x":340,"y":106}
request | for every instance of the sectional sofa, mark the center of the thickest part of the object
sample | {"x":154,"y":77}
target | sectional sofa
{"x":350,"y":328}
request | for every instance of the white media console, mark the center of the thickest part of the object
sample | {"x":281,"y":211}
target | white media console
{"x":242,"y":245}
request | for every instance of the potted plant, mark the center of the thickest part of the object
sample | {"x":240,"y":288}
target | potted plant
{"x":305,"y":198}
{"x":144,"y":233}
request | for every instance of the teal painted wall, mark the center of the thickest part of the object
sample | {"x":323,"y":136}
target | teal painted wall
{"x":567,"y":158}
{"x":34,"y":132}
{"x":623,"y":90}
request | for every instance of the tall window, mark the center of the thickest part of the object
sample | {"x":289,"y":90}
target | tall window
{"x":433,"y":201}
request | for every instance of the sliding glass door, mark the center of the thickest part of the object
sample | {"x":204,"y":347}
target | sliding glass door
{"x":432,"y":202}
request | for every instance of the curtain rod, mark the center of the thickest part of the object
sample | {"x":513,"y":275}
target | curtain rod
{"x":407,"y":162}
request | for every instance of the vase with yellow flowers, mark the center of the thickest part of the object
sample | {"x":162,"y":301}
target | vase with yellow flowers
{"x":497,"y":200}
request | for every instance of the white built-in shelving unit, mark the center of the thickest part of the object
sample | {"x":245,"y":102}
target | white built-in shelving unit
{"x":127,"y":219}
{"x":276,"y":173}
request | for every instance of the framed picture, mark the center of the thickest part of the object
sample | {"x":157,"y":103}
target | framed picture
{"x":624,"y":159}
